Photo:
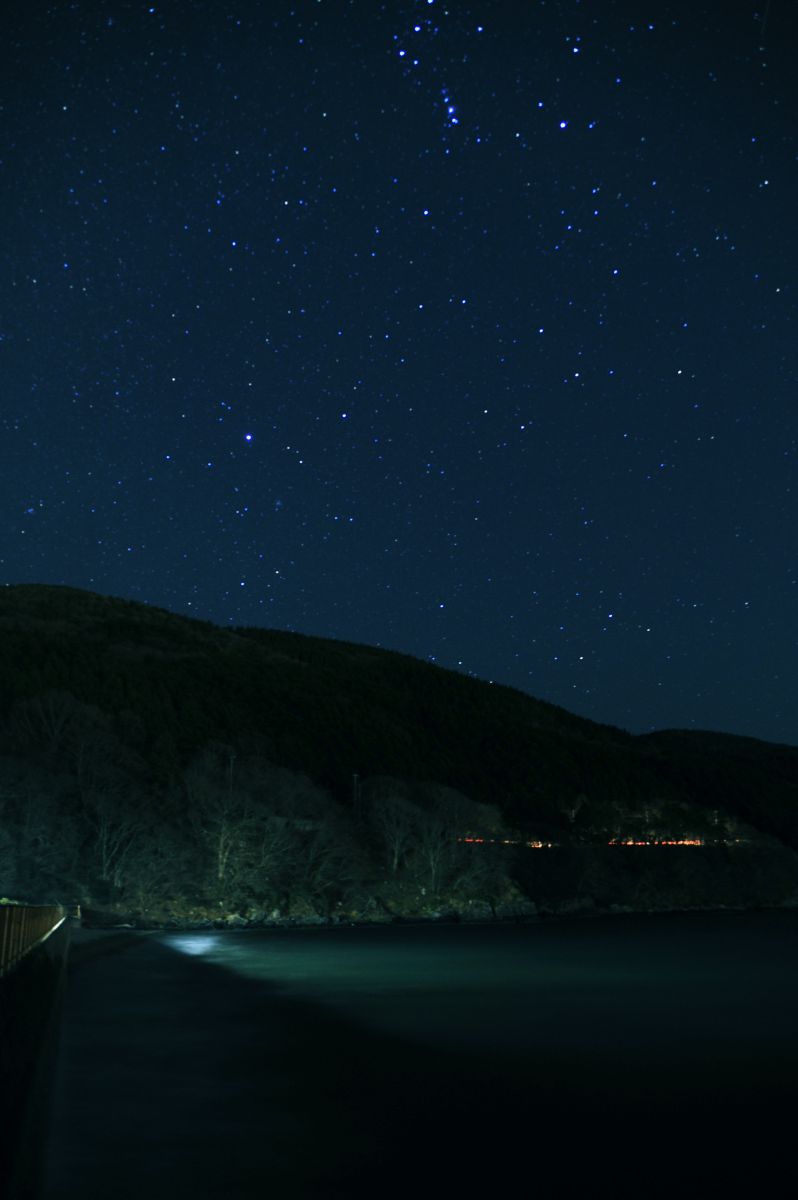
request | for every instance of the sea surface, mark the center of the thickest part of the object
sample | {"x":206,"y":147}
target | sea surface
{"x":701,"y":987}
{"x":636,"y":1055}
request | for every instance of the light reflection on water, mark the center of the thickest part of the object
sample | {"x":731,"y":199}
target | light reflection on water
{"x":194,"y":943}
{"x":679,"y":983}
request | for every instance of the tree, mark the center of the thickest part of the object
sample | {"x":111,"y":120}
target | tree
{"x":159,"y":867}
{"x":570,"y":806}
{"x":264,"y":833}
{"x":394,"y":820}
{"x":114,"y":822}
{"x":454,"y":847}
{"x":219,"y":815}
{"x":328,"y":867}
{"x":42,"y":723}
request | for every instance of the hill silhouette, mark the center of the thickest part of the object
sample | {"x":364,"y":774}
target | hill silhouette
{"x":144,"y":693}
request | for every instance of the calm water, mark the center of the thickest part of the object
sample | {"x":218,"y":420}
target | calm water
{"x":700,"y":985}
{"x":640,"y":1056}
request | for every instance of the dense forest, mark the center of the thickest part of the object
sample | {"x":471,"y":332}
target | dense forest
{"x":161,"y":768}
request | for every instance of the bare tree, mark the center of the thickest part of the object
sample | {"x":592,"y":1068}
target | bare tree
{"x":255,"y":823}
{"x":159,"y":867}
{"x":43,"y":722}
{"x":219,"y":814}
{"x":570,"y":807}
{"x":329,"y":863}
{"x":114,"y":821}
{"x":449,"y":830}
{"x":396,"y":822}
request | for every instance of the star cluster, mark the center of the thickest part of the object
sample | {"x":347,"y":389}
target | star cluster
{"x":464,"y":330}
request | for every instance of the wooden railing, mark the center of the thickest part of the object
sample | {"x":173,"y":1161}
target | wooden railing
{"x":23,"y":926}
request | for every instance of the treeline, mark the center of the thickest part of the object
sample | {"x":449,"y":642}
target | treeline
{"x":81,"y":820}
{"x":84,"y":819}
{"x":132,"y":697}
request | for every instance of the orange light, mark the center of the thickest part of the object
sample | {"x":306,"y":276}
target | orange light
{"x":656,"y":842}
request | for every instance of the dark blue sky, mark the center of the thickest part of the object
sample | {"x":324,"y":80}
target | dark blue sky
{"x":468,"y":331}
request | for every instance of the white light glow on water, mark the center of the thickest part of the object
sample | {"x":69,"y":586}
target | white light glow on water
{"x":194,"y":943}
{"x":670,"y":986}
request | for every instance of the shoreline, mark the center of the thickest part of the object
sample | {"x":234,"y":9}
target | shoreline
{"x":541,"y":916}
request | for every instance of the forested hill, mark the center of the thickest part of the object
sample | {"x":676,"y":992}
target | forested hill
{"x":162,"y":688}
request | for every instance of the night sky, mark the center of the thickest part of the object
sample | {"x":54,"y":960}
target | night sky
{"x":467,"y":331}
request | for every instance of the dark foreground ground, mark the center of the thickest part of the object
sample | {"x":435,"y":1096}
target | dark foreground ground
{"x":179,"y":1076}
